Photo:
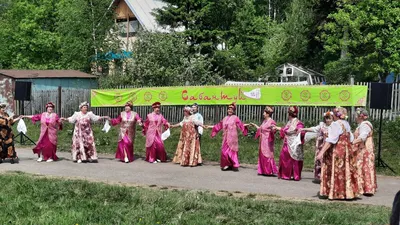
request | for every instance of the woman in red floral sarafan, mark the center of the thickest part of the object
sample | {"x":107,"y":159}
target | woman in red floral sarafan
{"x":339,"y":172}
{"x":363,"y":145}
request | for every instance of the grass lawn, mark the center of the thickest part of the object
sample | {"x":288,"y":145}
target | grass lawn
{"x":28,"y":199}
{"x":210,"y":149}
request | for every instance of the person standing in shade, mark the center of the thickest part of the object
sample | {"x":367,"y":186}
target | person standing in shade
{"x":199,"y":119}
{"x":291,"y":157}
{"x":127,"y":132}
{"x":363,"y":146}
{"x":152,"y":129}
{"x":50,"y":124}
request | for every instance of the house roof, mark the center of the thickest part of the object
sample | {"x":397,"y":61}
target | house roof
{"x":143,"y":10}
{"x":32,"y":74}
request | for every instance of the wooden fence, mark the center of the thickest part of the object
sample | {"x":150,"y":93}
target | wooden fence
{"x":69,"y":100}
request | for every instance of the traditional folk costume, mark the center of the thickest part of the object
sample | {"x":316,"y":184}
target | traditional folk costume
{"x":322,"y":134}
{"x":291,"y":157}
{"x":367,"y":183}
{"x":155,"y":151}
{"x":83,"y":144}
{"x":127,"y":133}
{"x":339,"y":172}
{"x":230,"y":143}
{"x":50,"y":123}
{"x":266,"y":161}
{"x":188,"y":150}
{"x":199,"y":118}
{"x":6,"y":136}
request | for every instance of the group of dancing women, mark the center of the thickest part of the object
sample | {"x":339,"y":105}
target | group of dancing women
{"x":344,"y":161}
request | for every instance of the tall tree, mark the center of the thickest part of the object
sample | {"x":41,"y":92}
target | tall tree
{"x":28,"y":37}
{"x":85,"y":31}
{"x":368,"y":30}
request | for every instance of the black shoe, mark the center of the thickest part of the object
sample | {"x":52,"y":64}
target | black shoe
{"x":235,"y":169}
{"x":12,"y":161}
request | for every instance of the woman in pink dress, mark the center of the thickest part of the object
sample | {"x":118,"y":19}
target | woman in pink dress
{"x":338,"y":172}
{"x":152,"y":129}
{"x":126,"y":138}
{"x":266,"y":161}
{"x":50,"y":124}
{"x":230,"y":143}
{"x":363,"y":146}
{"x":322,"y":134}
{"x":291,"y":157}
{"x":83,"y":144}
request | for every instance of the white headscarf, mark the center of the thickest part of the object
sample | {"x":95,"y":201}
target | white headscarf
{"x":83,"y":104}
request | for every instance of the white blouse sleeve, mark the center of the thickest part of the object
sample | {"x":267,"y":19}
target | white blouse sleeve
{"x":334,"y":132}
{"x":316,"y":129}
{"x":73,"y":118}
{"x":93,"y":117}
{"x":364,"y":131}
{"x":348,"y":129}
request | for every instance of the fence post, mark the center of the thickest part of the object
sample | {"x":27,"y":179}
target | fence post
{"x":352,"y":108}
{"x":59,"y":101}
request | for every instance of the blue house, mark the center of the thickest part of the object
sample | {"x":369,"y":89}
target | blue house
{"x":50,"y":79}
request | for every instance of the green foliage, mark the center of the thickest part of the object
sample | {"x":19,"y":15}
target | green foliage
{"x":53,"y":34}
{"x":367,"y":33}
{"x":162,"y":59}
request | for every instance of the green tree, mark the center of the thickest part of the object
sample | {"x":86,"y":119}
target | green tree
{"x":85,"y":32}
{"x":367,"y":34}
{"x":28,"y":37}
{"x":161,"y":59}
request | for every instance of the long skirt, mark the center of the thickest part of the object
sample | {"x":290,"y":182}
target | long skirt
{"x":228,"y":157}
{"x":156,"y":151}
{"x":317,"y":165}
{"x":288,"y":167}
{"x":125,"y":146}
{"x":45,"y":148}
{"x":266,"y":166}
{"x":338,"y":174}
{"x":366,"y":171}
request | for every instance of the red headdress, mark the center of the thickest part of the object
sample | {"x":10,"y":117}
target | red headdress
{"x":130,"y":104}
{"x":293,"y":111}
{"x":50,"y":104}
{"x":269,"y":109}
{"x":232,"y":106}
{"x":156,"y":105}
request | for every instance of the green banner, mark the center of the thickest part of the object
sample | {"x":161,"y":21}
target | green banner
{"x":323,"y":95}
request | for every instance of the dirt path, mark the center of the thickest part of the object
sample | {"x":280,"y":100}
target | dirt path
{"x":207,"y":177}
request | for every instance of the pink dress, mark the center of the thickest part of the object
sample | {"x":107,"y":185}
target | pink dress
{"x":154,"y":145}
{"x":47,"y":143}
{"x":230,"y":145}
{"x":127,"y":133}
{"x":83,"y":144}
{"x":291,"y":157}
{"x":266,"y":161}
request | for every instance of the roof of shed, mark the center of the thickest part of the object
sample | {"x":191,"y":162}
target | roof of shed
{"x":32,"y":74}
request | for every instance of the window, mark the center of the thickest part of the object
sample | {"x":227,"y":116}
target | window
{"x":123,"y":27}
